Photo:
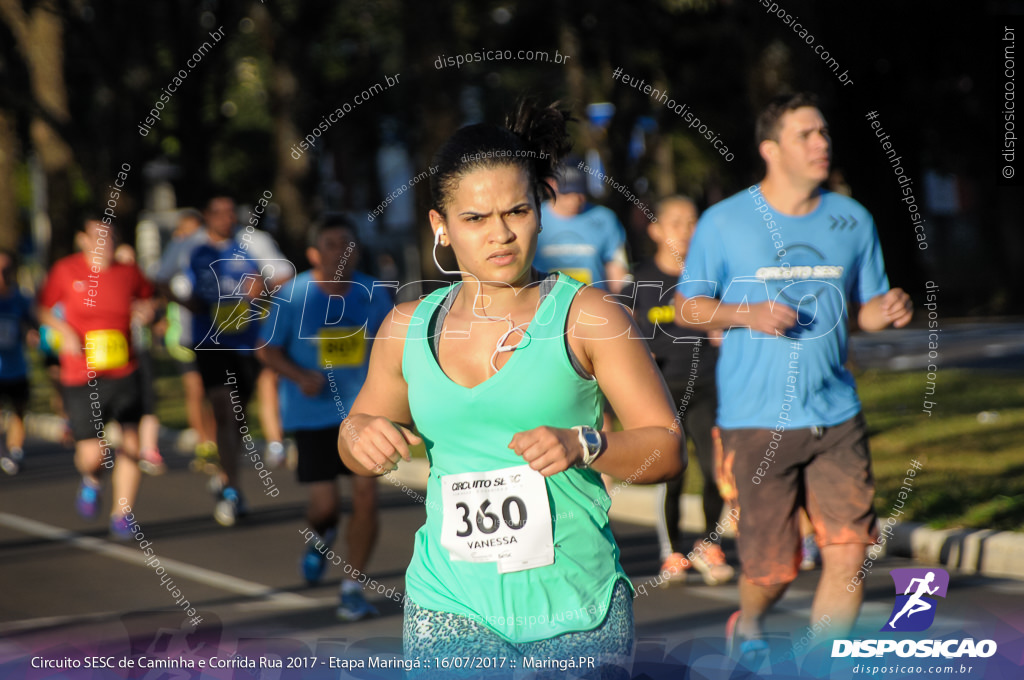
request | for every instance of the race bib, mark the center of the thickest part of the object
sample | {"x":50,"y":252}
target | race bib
{"x":498,"y":516}
{"x":105,"y":350}
{"x":9,"y":330}
{"x":232,"y":316}
{"x":342,"y":347}
{"x":581,"y":275}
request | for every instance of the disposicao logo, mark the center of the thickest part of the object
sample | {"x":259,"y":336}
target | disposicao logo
{"x":914,"y":611}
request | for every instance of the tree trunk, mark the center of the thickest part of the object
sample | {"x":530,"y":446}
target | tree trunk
{"x":9,"y":228}
{"x":283,"y":88}
{"x":290,"y":173}
{"x":40,"y":39}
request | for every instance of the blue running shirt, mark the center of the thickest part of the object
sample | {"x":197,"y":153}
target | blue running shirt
{"x":332,"y":334}
{"x":229,"y":278}
{"x":744,"y":250}
{"x":581,"y":245}
{"x":15,"y":311}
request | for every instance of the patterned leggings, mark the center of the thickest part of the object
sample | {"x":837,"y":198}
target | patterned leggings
{"x":430,"y":635}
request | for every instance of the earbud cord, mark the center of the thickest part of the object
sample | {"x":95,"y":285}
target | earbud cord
{"x":500,"y":345}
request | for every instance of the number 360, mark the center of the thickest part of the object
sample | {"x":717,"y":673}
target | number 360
{"x":488,"y":522}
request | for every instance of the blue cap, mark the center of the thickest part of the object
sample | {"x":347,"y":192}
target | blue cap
{"x":570,"y":177}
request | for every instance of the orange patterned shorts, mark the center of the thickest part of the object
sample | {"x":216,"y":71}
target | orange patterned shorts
{"x":827,"y":471}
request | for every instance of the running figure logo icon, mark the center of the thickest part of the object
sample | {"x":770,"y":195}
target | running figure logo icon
{"x":914,"y":610}
{"x":256,"y":289}
{"x":240,"y":297}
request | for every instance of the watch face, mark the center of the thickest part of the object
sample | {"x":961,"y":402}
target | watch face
{"x":593,"y":440}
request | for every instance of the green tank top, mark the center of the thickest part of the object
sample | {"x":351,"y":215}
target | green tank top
{"x":468,"y":430}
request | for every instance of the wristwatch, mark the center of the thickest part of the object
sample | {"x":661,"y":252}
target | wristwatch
{"x":592,"y":443}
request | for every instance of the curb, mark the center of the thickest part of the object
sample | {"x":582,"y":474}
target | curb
{"x":996,"y":554}
{"x":999,"y":554}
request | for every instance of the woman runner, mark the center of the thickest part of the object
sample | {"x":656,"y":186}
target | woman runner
{"x":502,"y":375}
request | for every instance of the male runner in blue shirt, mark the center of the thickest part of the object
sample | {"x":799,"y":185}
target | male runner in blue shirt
{"x":225,"y":325}
{"x":780,"y":265}
{"x":319,"y":343}
{"x":585,"y":241}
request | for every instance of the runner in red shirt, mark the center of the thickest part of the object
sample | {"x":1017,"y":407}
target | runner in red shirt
{"x":98,"y":372}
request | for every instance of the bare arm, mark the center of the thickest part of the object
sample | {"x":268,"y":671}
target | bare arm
{"x":377,"y":433}
{"x":631,"y":381}
{"x":310,"y":382}
{"x":144,"y":311}
{"x":709,"y":314}
{"x":649,"y":449}
{"x":894,"y":307}
{"x":70,"y":343}
{"x":615,"y":273}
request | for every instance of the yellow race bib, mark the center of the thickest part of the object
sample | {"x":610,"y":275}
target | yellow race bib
{"x":342,"y":347}
{"x":105,"y":350}
{"x":231,"y":317}
{"x":664,"y":315}
{"x":581,"y":275}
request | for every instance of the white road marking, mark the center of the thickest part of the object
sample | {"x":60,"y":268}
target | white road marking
{"x":11,"y":627}
{"x":133,"y":555}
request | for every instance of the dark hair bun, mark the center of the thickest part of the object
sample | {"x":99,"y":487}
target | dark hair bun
{"x":534,"y":138}
{"x":544,"y":130}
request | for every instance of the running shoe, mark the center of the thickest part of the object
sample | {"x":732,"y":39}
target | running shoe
{"x":314,"y":563}
{"x":229,"y":508}
{"x":87,"y":500}
{"x":675,"y":565}
{"x":152,"y":463}
{"x":120,"y":528}
{"x":811,"y":554}
{"x":710,"y":562}
{"x":9,"y":464}
{"x":750,"y":650}
{"x":215,"y":485}
{"x":275,"y":454}
{"x":353,"y":606}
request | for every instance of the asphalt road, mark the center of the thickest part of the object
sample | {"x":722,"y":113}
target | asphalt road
{"x":71,"y":591}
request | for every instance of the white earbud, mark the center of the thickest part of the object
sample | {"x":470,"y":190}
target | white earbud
{"x":437,"y":242}
{"x":500,"y":346}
